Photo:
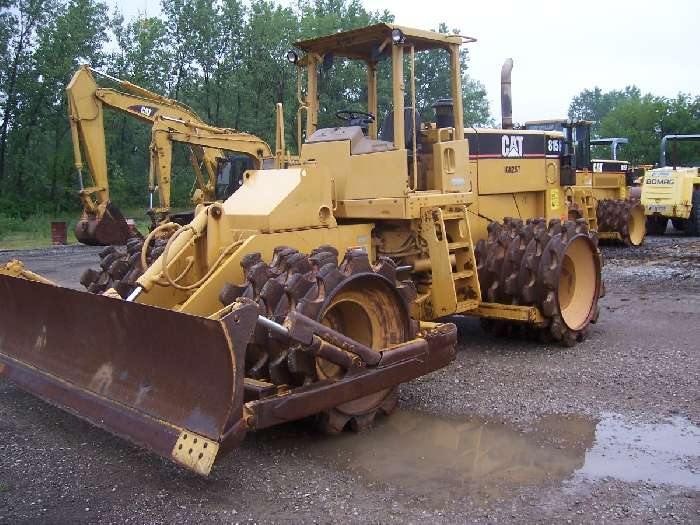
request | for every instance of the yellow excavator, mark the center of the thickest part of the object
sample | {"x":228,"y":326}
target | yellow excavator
{"x":102,"y":223}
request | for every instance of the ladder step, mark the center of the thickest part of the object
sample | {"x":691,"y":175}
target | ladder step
{"x":452,"y":215}
{"x":465,"y":306}
{"x":458,"y":245}
{"x":462,"y":275}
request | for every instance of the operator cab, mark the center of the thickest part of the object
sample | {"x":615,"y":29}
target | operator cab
{"x":576,"y":156}
{"x":577,"y":137}
{"x":402,"y":155}
{"x":577,"y":150}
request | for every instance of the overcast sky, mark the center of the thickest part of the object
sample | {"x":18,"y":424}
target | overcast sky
{"x":559,"y":47}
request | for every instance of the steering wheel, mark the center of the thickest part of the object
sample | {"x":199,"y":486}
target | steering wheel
{"x":351,"y":115}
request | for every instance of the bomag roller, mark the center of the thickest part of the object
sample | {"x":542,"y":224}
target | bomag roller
{"x":672,"y":192}
{"x":314,"y":290}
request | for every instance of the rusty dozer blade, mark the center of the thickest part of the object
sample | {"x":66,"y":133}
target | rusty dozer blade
{"x":167,"y":381}
{"x":104,"y":227}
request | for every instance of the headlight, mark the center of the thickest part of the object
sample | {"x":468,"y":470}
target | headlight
{"x":292,"y":57}
{"x":397,"y":36}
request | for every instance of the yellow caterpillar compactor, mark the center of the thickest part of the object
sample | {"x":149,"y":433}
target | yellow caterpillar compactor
{"x":596,"y":190}
{"x":218,"y":155}
{"x":317,"y":289}
{"x":672,"y":192}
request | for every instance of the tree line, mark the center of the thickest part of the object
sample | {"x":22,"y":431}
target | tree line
{"x":642,"y":118}
{"x":225,"y":59}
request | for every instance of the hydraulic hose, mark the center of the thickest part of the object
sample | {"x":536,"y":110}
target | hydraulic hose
{"x":173,"y":281}
{"x":149,"y":238}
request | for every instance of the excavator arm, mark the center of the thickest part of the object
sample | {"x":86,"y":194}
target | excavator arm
{"x":172,"y":121}
{"x":207,"y":146}
{"x":102,"y":222}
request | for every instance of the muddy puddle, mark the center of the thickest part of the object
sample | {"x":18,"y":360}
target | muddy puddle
{"x":439,"y":458}
{"x":666,"y":452}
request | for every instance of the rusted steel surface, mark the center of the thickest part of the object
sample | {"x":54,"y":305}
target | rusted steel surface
{"x":59,"y":235}
{"x":113,"y":417}
{"x":342,"y":312}
{"x":138,"y":371}
{"x":302,"y":329}
{"x":403,"y":363}
{"x":176,"y":383}
{"x":109,"y":228}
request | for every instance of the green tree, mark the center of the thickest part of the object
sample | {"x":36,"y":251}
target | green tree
{"x":646,"y":119}
{"x":637,"y":119}
{"x":594,"y":104}
{"x":37,"y":140}
{"x":143,"y":56}
{"x":225,"y":59}
{"x":20,"y":21}
{"x":433,"y":82}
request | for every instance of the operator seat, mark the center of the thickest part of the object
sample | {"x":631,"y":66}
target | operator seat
{"x":359,"y":143}
{"x":387,"y":131}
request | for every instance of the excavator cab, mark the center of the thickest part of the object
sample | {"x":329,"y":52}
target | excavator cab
{"x":229,"y":174}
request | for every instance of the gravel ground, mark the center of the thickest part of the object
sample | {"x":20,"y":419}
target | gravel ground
{"x":511,"y":431}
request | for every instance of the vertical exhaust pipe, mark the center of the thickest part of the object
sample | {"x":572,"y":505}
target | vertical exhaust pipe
{"x":506,"y":98}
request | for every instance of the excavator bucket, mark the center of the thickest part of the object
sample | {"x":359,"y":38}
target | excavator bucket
{"x":166,"y":381}
{"x":105,"y":227}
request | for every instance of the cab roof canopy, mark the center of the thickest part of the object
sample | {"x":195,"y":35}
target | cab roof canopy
{"x":365,"y":43}
{"x":560,"y":121}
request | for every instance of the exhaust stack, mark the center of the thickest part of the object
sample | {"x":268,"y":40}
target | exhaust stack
{"x":506,"y":98}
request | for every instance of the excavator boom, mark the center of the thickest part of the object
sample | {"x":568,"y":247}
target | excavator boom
{"x":102,"y":222}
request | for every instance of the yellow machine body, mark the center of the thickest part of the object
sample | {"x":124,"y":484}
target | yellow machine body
{"x":513,"y":176}
{"x":171,"y":122}
{"x":597,"y":189}
{"x":250,"y":299}
{"x":671,"y":191}
{"x":668,"y":192}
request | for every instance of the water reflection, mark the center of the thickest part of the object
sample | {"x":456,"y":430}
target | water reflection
{"x":443,"y":458}
{"x":440,"y":458}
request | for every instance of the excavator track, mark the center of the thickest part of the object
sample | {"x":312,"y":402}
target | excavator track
{"x":623,"y":217}
{"x":358,"y":299}
{"x":553,"y":266}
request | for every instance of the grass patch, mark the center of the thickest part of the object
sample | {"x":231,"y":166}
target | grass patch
{"x":4,"y":487}
{"x":35,"y":230}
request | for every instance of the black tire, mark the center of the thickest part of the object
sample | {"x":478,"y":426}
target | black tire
{"x":624,"y":217}
{"x":119,"y":267}
{"x":692,"y":225}
{"x":679,"y":224}
{"x":523,"y":264}
{"x":656,"y":225}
